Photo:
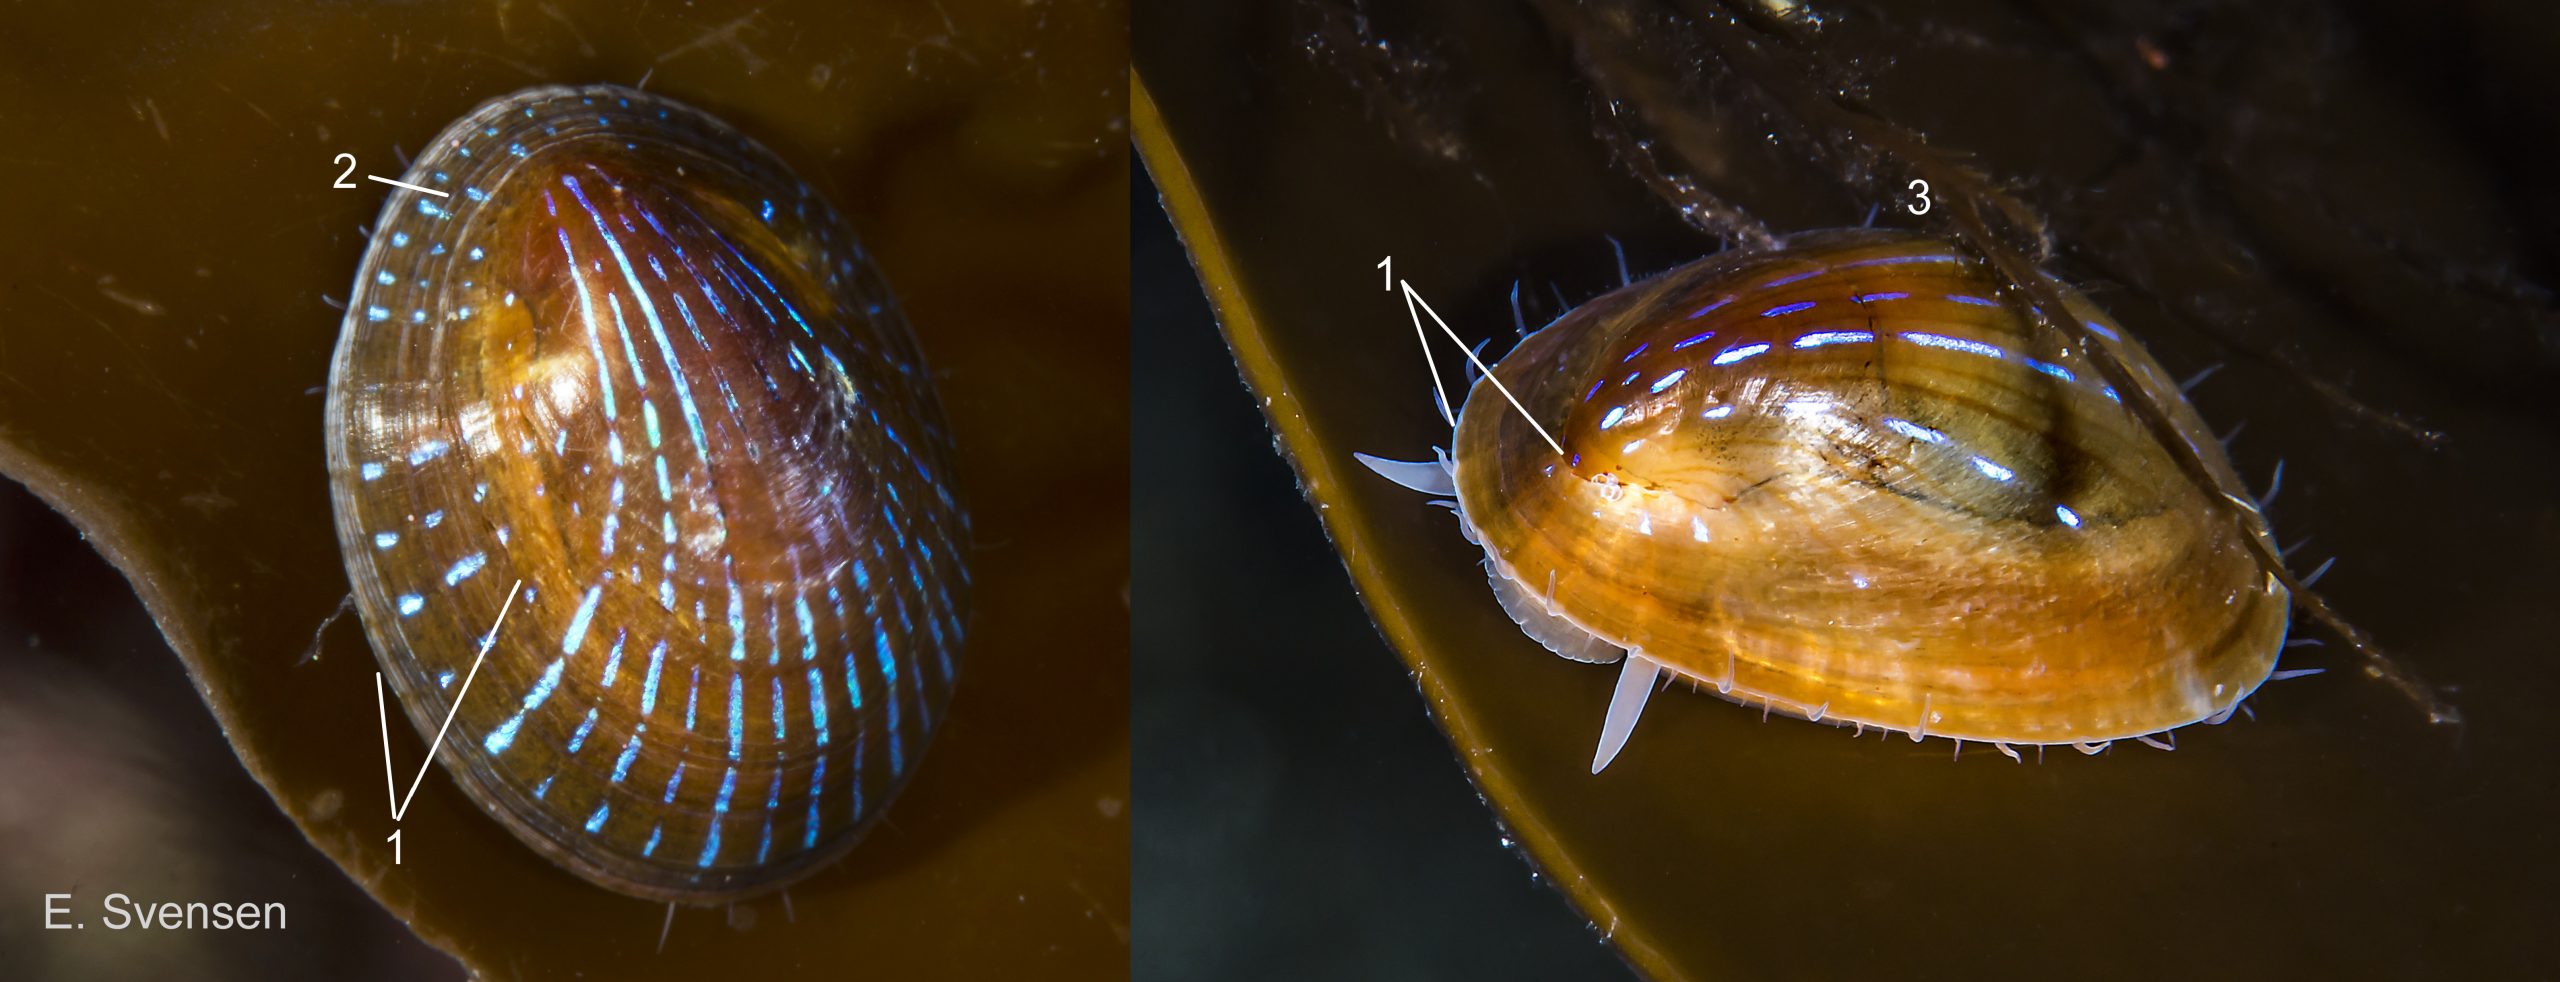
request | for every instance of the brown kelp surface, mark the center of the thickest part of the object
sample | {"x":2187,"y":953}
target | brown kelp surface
{"x":2327,"y":201}
{"x":164,"y":339}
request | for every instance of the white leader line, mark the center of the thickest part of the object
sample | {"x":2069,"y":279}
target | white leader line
{"x":405,"y":184}
{"x":389,"y":784}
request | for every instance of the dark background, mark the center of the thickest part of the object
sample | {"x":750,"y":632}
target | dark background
{"x":1299,"y":816}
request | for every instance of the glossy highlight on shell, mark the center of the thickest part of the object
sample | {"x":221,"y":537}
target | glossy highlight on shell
{"x":1849,"y":480}
{"x":636,"y":364}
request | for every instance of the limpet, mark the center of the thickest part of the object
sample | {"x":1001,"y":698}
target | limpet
{"x":1847,"y":479}
{"x":633,"y":364}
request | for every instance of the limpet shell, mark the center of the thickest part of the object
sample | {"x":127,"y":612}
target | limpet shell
{"x":1849,"y":480}
{"x":633,"y":364}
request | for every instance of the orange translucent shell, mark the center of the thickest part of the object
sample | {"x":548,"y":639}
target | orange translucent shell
{"x":1847,"y":478}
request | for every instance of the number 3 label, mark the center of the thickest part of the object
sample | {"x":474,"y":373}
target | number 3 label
{"x":1920,"y":188}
